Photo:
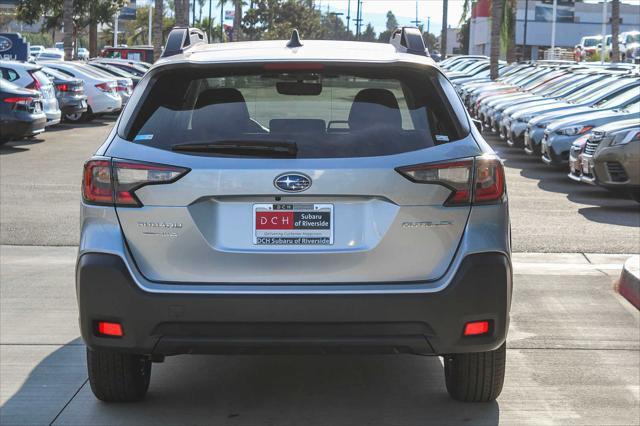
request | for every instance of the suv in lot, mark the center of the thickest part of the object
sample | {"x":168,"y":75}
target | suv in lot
{"x":294,"y":196}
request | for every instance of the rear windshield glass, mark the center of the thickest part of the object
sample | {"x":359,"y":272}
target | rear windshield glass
{"x":319,"y":113}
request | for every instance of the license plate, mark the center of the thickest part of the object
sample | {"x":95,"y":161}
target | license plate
{"x":585,"y":166}
{"x":37,"y":107}
{"x":298,"y":224}
{"x":83,"y":104}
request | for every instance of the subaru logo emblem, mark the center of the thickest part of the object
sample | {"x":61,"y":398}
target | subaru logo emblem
{"x":5,"y":44}
{"x":292,"y":182}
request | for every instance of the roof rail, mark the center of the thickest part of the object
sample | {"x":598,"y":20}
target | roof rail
{"x":181,"y":39}
{"x":408,"y":40}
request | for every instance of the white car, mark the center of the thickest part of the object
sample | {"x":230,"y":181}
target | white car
{"x":101,"y":91}
{"x":35,"y":50}
{"x":83,"y":54}
{"x":30,"y":76}
{"x":51,"y":55}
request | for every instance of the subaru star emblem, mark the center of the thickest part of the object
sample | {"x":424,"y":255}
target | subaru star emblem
{"x":292,"y":182}
{"x":5,"y":44}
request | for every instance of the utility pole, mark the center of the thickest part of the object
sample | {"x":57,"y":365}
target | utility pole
{"x":115,"y":30}
{"x":348,"y":15}
{"x":428,"y":23}
{"x":150,"y":11}
{"x":210,"y":32}
{"x":357,"y":20}
{"x":603,"y":43}
{"x":553,"y":27}
{"x":194,"y":13}
{"x":416,"y":21}
{"x":526,"y":16}
{"x":221,"y":22}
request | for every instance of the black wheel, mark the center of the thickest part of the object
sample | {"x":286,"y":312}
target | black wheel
{"x":80,"y":117}
{"x":118,"y":377}
{"x":477,"y":376}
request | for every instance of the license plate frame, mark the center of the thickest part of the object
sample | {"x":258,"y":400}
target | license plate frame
{"x":306,"y":224}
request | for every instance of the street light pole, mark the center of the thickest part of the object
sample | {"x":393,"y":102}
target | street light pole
{"x":150,"y":9}
{"x":553,"y":27}
{"x":210,"y":24}
{"x":348,"y":15}
{"x":115,"y":30}
{"x":526,"y":16}
{"x":603,"y":43}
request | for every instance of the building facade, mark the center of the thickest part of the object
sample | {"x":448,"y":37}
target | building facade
{"x":574,"y":19}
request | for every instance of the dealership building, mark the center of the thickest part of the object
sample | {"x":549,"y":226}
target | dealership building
{"x":574,"y":19}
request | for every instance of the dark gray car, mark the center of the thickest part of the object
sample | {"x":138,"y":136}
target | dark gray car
{"x":69,"y":92}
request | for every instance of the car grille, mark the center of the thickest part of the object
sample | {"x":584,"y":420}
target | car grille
{"x":591,"y":147}
{"x":616,"y":171}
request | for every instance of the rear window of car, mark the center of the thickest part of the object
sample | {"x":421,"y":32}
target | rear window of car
{"x":317,"y":113}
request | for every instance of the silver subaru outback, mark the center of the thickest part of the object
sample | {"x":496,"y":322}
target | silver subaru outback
{"x":294,"y":196}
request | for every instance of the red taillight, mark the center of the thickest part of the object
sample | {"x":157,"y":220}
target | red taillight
{"x":489,"y":181}
{"x":17,"y":100}
{"x":115,"y":182}
{"x":480,"y":180}
{"x":64,"y":87}
{"x":105,"y":87}
{"x":35,"y":84}
{"x":476,"y":328}
{"x":113,"y":329}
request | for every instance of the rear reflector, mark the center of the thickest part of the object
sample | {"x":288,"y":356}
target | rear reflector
{"x":476,"y":328}
{"x":114,"y":182}
{"x":110,"y":329}
{"x":479,"y":180}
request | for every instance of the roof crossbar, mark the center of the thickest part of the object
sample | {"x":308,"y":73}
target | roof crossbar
{"x":181,"y":39}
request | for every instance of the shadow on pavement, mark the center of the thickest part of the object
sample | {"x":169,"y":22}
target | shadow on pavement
{"x":22,"y":145}
{"x":261,"y":390}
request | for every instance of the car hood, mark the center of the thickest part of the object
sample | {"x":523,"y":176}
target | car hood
{"x":593,"y":119}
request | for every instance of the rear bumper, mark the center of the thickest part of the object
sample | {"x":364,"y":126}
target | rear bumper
{"x":175,"y":323}
{"x":28,"y":125}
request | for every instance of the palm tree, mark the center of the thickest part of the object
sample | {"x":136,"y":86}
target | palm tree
{"x":67,"y":20}
{"x":221,"y":5}
{"x":182,"y":13}
{"x":615,"y":30}
{"x":496,"y":24}
{"x":443,"y":34}
{"x":508,"y":29}
{"x":237,"y":19}
{"x":158,"y":16}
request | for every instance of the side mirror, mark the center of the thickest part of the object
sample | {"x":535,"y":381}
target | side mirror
{"x":478,"y":124}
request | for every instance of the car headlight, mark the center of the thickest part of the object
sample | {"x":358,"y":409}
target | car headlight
{"x":624,"y":138}
{"x":574,"y":130}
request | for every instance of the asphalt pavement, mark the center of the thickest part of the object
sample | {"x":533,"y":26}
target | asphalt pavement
{"x":573,"y":348}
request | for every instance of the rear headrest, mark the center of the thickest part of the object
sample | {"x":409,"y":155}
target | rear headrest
{"x":375,"y":108}
{"x":223,"y":96}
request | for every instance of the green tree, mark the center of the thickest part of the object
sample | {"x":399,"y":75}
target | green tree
{"x":274,"y":19}
{"x":430,"y":41}
{"x":615,"y":30}
{"x":368,"y":34}
{"x":158,"y":38}
{"x":445,"y":26}
{"x":496,"y":25}
{"x":508,"y":30}
{"x":392,"y":24}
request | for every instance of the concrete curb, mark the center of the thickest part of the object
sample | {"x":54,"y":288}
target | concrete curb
{"x":629,"y":284}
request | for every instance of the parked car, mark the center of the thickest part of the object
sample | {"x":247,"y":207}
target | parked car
{"x":586,"y":49}
{"x":575,"y":156}
{"x":102,"y":95}
{"x":630,"y":48}
{"x":83,"y":54}
{"x":50,"y":55}
{"x":21,"y":112}
{"x":115,"y":72}
{"x":133,"y":53}
{"x":30,"y":76}
{"x":69,"y":92}
{"x":228,"y":215}
{"x":618,"y":93}
{"x":611,"y":158}
{"x":59,"y":45}
{"x":35,"y":50}
{"x":559,"y":135}
{"x":124,"y":85}
{"x":136,"y":68}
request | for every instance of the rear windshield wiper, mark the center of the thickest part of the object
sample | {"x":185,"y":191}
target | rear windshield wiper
{"x":243,"y":148}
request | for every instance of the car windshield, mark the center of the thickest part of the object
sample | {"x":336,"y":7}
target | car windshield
{"x":619,"y":100}
{"x":580,"y":82}
{"x":594,"y":90}
{"x":324,"y":113}
{"x":49,"y":55}
{"x":41,"y":77}
{"x":55,"y":73}
{"x":633,"y":38}
{"x":591,"y":42}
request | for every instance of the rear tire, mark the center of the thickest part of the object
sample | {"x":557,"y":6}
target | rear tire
{"x":118,"y":377}
{"x":477,"y":376}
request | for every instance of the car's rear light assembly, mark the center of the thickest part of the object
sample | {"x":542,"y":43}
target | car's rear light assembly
{"x":111,"y":329}
{"x":476,"y":328}
{"x":106,"y":87}
{"x":19,"y":102}
{"x":114,"y":182}
{"x":477,"y":180}
{"x":35,"y":84}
